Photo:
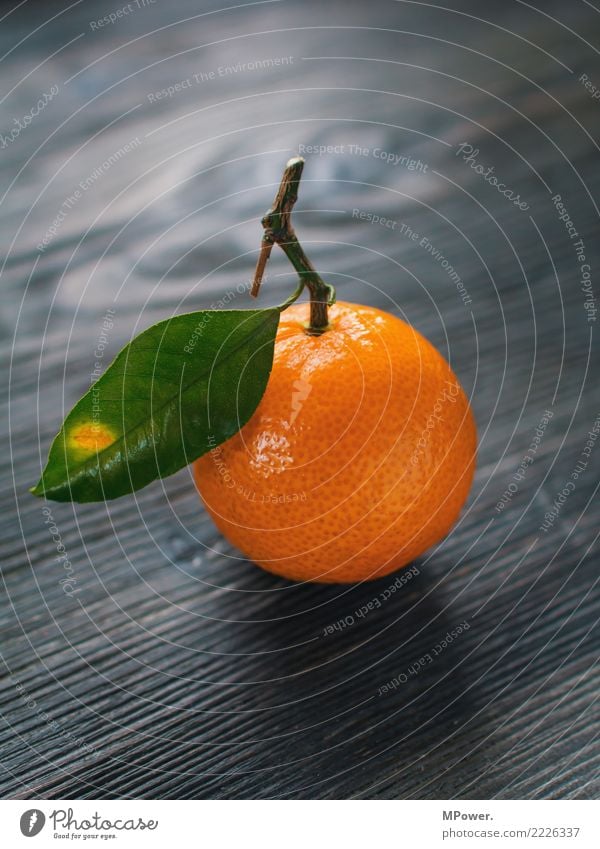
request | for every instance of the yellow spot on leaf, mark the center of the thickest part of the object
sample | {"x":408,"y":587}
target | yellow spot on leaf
{"x":92,"y":437}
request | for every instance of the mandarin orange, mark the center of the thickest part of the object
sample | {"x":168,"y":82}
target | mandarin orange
{"x":358,"y":458}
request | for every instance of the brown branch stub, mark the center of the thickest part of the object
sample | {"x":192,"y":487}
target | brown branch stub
{"x":277,"y":222}
{"x":278,"y":218}
{"x":278,"y":228}
{"x":265,"y":252}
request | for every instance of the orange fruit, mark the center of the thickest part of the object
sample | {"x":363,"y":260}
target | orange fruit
{"x":358,"y":458}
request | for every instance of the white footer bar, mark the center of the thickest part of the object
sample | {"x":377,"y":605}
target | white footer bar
{"x":292,"y":824}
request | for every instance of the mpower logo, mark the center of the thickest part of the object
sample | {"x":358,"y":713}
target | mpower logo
{"x":32,"y":822}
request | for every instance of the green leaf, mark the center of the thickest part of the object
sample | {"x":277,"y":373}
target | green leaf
{"x":177,"y":390}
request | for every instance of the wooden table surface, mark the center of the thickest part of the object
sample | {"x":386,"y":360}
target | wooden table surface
{"x":174,"y":668}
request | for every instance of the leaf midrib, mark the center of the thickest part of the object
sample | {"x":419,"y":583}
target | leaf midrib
{"x":95,"y":460}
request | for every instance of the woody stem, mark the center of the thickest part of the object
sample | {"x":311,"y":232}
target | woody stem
{"x":278,"y":230}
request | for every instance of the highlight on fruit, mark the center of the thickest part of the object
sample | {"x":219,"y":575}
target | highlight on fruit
{"x":329,"y":441}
